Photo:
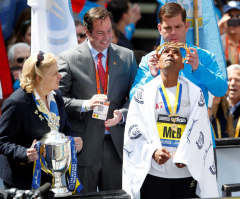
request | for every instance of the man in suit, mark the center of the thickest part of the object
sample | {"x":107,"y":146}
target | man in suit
{"x":83,"y":88}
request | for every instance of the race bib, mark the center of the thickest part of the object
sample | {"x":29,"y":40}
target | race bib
{"x":170,"y":129}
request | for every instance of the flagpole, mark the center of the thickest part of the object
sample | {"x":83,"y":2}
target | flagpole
{"x":196,"y":25}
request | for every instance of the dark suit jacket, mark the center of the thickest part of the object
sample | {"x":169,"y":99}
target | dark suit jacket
{"x":19,"y":126}
{"x":123,"y":41}
{"x":78,"y":84}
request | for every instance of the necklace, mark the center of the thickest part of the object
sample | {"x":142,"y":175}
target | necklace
{"x":51,"y":117}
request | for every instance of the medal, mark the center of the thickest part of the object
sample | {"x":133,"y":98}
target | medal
{"x":172,"y":114}
{"x":174,"y":127}
{"x":173,"y":120}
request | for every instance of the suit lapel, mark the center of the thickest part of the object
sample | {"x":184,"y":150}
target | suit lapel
{"x":112,"y":72}
{"x":29,"y":99}
{"x":88,"y":64}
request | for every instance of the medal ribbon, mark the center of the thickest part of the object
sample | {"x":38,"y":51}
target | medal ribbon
{"x":74,"y":184}
{"x":36,"y":180}
{"x":237,"y":128}
{"x":166,"y":101}
{"x":37,"y":166}
{"x":105,"y":82}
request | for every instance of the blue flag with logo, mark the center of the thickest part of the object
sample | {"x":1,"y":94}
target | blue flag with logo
{"x":209,"y":36}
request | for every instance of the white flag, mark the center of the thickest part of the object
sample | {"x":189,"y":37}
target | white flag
{"x":52,"y":26}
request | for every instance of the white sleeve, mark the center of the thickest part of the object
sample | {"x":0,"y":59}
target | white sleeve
{"x":210,"y":100}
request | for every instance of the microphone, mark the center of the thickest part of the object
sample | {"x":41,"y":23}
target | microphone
{"x":3,"y":194}
{"x":42,"y":190}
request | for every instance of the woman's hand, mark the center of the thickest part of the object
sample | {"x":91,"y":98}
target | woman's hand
{"x":78,"y":143}
{"x":32,"y":152}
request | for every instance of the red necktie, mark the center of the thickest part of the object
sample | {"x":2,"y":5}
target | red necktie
{"x":101,"y":71}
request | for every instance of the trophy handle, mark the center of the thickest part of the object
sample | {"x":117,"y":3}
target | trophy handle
{"x":56,"y":180}
{"x":70,"y":157}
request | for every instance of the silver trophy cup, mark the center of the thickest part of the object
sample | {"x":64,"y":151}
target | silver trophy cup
{"x":56,"y":150}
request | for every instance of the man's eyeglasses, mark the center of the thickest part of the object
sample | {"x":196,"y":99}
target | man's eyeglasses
{"x":40,"y":58}
{"x":20,"y":60}
{"x":81,"y":35}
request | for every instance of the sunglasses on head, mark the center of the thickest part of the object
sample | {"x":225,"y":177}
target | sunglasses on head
{"x":81,"y":35}
{"x":40,"y":58}
{"x":20,"y":60}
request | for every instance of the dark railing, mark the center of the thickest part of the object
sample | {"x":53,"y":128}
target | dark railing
{"x":226,"y":145}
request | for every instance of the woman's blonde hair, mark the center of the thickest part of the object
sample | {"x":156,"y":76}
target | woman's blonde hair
{"x":34,"y":66}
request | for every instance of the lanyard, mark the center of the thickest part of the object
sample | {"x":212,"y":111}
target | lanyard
{"x":105,"y":82}
{"x":166,"y":101}
{"x":237,"y":128}
{"x":219,"y":131}
{"x":233,"y":59}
